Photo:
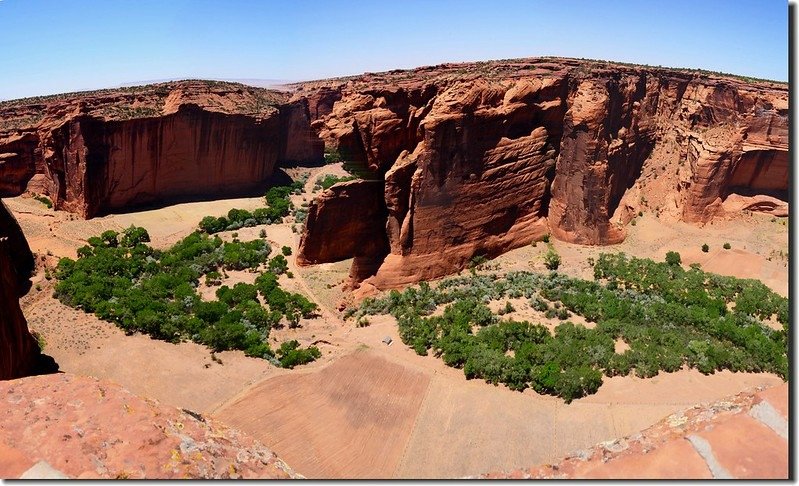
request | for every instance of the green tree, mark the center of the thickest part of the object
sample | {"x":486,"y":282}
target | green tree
{"x":278,"y":265}
{"x":133,"y":236}
{"x":673,"y":258}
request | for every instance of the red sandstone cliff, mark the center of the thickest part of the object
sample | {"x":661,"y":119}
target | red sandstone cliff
{"x":480,"y":158}
{"x":113,"y":150}
{"x":19,"y":351}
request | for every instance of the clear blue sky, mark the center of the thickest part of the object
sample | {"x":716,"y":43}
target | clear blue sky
{"x":50,"y":46}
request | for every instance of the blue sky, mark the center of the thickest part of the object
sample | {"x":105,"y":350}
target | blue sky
{"x":51,"y":46}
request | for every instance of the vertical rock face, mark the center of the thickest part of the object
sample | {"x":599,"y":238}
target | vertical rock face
{"x":608,"y":133}
{"x":742,"y":153}
{"x":349,"y":217}
{"x":112,"y":151}
{"x":18,"y":349}
{"x":18,"y":162}
{"x":99,"y":166}
{"x":476,"y":159}
{"x":476,"y":183}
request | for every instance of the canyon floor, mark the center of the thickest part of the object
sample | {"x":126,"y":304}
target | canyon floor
{"x":367,"y":409}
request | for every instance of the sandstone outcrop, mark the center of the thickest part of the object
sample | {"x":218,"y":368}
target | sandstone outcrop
{"x":740,"y":437}
{"x":19,"y":352}
{"x":477,"y":159}
{"x":349,"y":218}
{"x":114,"y":150}
{"x":81,"y":427}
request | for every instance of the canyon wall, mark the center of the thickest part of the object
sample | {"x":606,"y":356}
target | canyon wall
{"x":112,"y":151}
{"x":19,"y":351}
{"x":477,"y":159}
{"x":458,"y":160}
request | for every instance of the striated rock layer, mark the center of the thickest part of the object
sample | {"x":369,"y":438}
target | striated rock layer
{"x":114,"y":150}
{"x":476,"y":159}
{"x":19,"y":352}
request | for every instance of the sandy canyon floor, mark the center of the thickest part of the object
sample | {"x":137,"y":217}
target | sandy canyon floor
{"x":367,"y":409}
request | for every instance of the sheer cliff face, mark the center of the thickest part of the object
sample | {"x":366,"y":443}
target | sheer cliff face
{"x":99,"y":166}
{"x":18,"y":349}
{"x":94,"y":154}
{"x":478,"y":159}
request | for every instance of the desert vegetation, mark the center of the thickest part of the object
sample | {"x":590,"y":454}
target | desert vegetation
{"x":326,"y":182}
{"x":668,"y":316}
{"x":122,"y":279}
{"x":278,"y":206}
{"x":44,"y":200}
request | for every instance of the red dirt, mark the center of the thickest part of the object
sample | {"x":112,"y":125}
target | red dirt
{"x":352,"y":419}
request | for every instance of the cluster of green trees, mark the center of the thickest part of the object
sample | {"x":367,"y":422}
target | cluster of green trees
{"x":668,"y":316}
{"x":290,"y":354}
{"x":278,"y":206}
{"x":327,"y":181}
{"x":122,"y":279}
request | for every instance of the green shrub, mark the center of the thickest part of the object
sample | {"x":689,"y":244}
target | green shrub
{"x":290,"y":354}
{"x":477,"y":262}
{"x":277,"y":207}
{"x":727,"y":246}
{"x":286,"y":250}
{"x":329,"y":180}
{"x":40,"y":341}
{"x":278,"y":265}
{"x":44,"y":200}
{"x":705,"y":248}
{"x":673,"y":258}
{"x":552,"y":259}
{"x":332,"y":156}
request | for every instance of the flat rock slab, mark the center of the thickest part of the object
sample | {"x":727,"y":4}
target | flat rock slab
{"x":675,"y":460}
{"x":748,"y":449}
{"x":42,"y":470}
{"x":739,"y":437}
{"x":778,"y":398}
{"x":13,"y":463}
{"x":60,"y":425}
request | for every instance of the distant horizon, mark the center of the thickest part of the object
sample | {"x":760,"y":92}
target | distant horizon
{"x":275,"y":84}
{"x":106,"y":45}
